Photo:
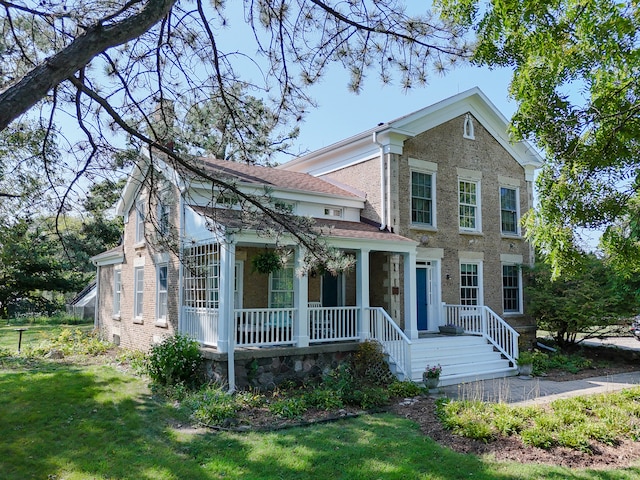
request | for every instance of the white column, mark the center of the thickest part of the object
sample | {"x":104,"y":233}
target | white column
{"x":410,"y":296}
{"x":301,"y":303}
{"x":362,"y":291}
{"x":226,"y":273}
{"x":226,"y":318}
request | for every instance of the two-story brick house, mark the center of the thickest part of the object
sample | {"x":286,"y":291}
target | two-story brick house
{"x":429,"y":207}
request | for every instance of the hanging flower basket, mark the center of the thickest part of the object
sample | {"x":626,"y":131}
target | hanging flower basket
{"x":266,"y":262}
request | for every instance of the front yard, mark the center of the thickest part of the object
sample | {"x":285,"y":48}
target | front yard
{"x":78,"y":420}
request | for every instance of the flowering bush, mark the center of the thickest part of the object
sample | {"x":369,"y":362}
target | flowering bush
{"x":433,"y":372}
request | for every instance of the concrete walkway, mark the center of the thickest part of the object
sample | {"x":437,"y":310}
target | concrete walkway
{"x":536,"y":390}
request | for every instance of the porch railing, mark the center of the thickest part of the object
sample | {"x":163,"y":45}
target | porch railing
{"x":481,"y":320}
{"x":332,"y":324}
{"x":395,"y":343}
{"x":200,"y":323}
{"x":264,"y":326}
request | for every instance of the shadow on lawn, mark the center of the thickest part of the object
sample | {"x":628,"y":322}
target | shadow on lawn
{"x":61,"y":421}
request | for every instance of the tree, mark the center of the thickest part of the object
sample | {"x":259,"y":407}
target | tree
{"x":575,"y":77}
{"x":588,"y":301}
{"x":31,"y":262}
{"x":110,"y":67}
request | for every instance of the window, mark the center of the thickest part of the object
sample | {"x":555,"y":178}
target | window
{"x":421,"y":198}
{"x":139,"y":222}
{"x":163,"y":218}
{"x":511,"y":293}
{"x":468,"y":195}
{"x":470,"y":284}
{"x":117,"y":287}
{"x":509,"y":210}
{"x":138,"y":279}
{"x":333,"y":212}
{"x":213,"y":285}
{"x":281,"y":288}
{"x":161,"y":300}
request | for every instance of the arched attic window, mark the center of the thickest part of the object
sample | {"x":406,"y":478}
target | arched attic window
{"x":468,"y":131}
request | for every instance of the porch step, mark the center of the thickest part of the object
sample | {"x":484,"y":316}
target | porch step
{"x":463,"y":358}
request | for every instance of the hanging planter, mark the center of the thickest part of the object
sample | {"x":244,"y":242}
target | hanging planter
{"x":266,"y":262}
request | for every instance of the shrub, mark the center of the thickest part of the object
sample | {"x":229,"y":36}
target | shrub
{"x":291,"y":407}
{"x":177,"y":359}
{"x":405,"y":389}
{"x":369,"y":366}
{"x":212,"y":405}
{"x":324,"y":399}
{"x":70,"y":342}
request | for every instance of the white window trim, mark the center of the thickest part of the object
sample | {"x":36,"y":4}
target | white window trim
{"x":426,"y":170}
{"x":520,"y":289}
{"x":478,"y":206}
{"x":164,"y":212}
{"x":162,"y":320}
{"x":117,"y":293}
{"x":480,"y":279}
{"x":140,"y":221}
{"x":518,"y":232}
{"x":290,"y":266}
{"x":333,"y":212}
{"x":138,"y":308}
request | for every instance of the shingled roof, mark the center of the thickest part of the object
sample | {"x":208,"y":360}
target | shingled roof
{"x":272,"y":177}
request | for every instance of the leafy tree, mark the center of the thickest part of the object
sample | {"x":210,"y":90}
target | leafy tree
{"x":575,"y":77}
{"x":117,"y":68}
{"x":31,"y":263}
{"x":587,"y":301}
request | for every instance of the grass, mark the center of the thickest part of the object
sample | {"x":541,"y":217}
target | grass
{"x":34,"y":334}
{"x":61,"y":421}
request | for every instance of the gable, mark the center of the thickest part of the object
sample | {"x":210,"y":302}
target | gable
{"x":390,"y":137}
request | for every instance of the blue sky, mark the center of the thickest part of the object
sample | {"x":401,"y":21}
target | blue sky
{"x":341,"y":113}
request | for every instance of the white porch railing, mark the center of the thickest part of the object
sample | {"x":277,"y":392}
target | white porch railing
{"x":332,"y":324}
{"x":264,"y":326}
{"x":200,"y":323}
{"x":481,"y":320}
{"x":395,"y":343}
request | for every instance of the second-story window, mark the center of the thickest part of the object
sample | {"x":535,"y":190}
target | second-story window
{"x":421,"y":198}
{"x":333,"y":212}
{"x":139,"y":221}
{"x":163,"y":218}
{"x":469,"y":203}
{"x":509,"y":210}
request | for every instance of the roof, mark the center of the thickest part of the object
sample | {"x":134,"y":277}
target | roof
{"x":109,"y":257}
{"x":272,"y":177}
{"x":325,"y":227}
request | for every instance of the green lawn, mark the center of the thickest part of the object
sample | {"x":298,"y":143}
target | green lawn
{"x":33,"y":335}
{"x":95,"y":422}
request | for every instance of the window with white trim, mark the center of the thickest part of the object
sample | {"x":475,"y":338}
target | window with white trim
{"x":139,"y":221}
{"x":117,"y":288}
{"x":469,"y":203}
{"x":162,"y":292}
{"x":470,"y":286}
{"x":509,"y":210}
{"x":333,"y":212}
{"x":422,"y":198}
{"x":281,"y":288}
{"x":511,"y":289}
{"x":163,"y":218}
{"x":138,"y":292}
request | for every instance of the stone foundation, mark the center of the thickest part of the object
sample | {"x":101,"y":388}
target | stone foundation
{"x":266,"y":368}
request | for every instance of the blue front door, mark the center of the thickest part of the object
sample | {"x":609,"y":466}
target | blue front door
{"x":423,"y":298}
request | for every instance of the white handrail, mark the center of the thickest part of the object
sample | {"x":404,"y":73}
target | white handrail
{"x":481,"y":320}
{"x":395,"y":343}
{"x":333,"y":324}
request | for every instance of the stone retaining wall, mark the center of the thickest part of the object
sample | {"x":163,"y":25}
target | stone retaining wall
{"x":267,"y":368}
